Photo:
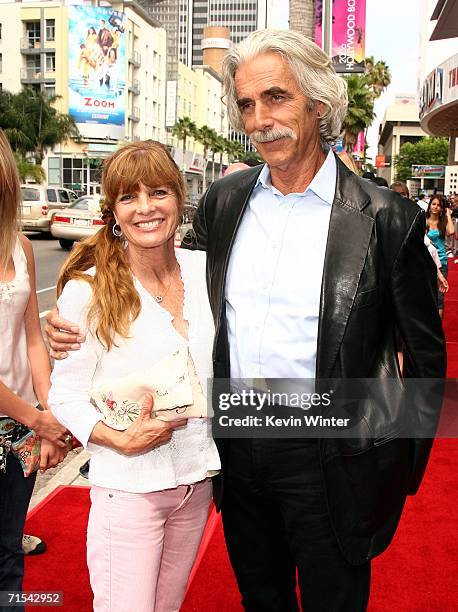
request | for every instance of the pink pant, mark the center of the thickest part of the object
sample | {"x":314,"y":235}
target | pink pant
{"x":141,"y":546}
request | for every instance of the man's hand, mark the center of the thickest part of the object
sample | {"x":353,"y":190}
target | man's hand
{"x":145,"y":432}
{"x":51,"y":455}
{"x":62,"y":335}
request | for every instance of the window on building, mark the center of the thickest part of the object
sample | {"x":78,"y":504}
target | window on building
{"x":33,"y":66}
{"x":50,"y":29}
{"x":0,"y":31}
{"x":75,"y":175}
{"x":1,"y":63}
{"x":49,"y":89}
{"x":50,"y":62}
{"x":32,"y":29}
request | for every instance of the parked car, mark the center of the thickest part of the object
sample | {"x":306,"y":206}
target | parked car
{"x":78,"y":221}
{"x":38,"y":204}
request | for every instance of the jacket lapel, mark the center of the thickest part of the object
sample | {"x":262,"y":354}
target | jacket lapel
{"x":349,"y":235}
{"x":235,"y":201}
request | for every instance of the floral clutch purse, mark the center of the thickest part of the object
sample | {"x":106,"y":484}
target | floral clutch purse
{"x":172,"y":382}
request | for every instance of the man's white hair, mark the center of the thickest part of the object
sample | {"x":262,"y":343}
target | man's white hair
{"x":311,"y":68}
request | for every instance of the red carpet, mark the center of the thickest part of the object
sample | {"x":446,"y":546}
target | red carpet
{"x":416,"y":574}
{"x":61,"y":520}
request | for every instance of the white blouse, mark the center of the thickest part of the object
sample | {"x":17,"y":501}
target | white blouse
{"x":191,"y":452}
{"x":15,"y":370}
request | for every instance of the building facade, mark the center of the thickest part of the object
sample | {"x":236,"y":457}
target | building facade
{"x":196,"y":94}
{"x":48,"y":46}
{"x":400,"y":124}
{"x":438,"y":79}
{"x":185,"y":21}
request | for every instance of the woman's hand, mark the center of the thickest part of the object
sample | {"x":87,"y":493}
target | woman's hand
{"x":443,"y":284}
{"x":51,"y":455}
{"x":145,"y":432}
{"x":48,"y":428}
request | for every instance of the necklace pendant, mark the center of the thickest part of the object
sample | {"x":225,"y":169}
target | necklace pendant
{"x":158,"y":298}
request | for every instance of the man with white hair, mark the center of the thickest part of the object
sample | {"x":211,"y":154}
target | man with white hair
{"x":309,"y":271}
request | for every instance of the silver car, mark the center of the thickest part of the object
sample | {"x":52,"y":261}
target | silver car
{"x":81,"y":219}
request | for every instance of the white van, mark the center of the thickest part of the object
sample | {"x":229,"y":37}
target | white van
{"x":38,"y":204}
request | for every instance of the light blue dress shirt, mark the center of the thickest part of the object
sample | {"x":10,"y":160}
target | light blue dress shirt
{"x":274,"y":278}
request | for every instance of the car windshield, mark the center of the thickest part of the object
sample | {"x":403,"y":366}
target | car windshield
{"x":64,"y":197}
{"x":84,"y":204}
{"x":30,"y":195}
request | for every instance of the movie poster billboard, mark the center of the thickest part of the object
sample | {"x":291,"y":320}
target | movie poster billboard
{"x":348,"y":35}
{"x":97,"y":71}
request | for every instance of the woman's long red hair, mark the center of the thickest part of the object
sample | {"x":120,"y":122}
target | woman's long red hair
{"x":115,"y":303}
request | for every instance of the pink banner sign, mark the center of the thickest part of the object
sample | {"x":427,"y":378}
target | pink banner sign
{"x":348,"y":35}
{"x":319,"y":23}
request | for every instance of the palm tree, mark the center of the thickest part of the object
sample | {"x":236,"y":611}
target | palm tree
{"x":377,"y":74}
{"x":206,"y":136}
{"x":234,"y":150}
{"x":183,"y":129}
{"x":360,"y":113}
{"x":302,"y":17}
{"x":219,"y":146}
{"x":214,"y":148}
{"x":32,"y":124}
{"x":28,"y":170}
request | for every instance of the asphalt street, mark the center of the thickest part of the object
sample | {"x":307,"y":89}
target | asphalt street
{"x":49,"y":257}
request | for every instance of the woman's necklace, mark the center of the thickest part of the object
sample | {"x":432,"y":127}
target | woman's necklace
{"x":160,"y":298}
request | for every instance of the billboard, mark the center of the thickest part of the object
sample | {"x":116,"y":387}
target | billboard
{"x":318,"y":38}
{"x":348,"y":35}
{"x":97,"y":71}
{"x":422,"y":171}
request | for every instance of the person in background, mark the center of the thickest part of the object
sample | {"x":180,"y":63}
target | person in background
{"x":400,"y":187}
{"x":235,"y":167}
{"x":439,"y":225}
{"x":24,"y":377}
{"x":138,"y":300}
{"x":422,"y":202}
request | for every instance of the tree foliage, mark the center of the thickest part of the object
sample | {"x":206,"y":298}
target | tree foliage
{"x":360,"y":112}
{"x":363,"y":90}
{"x":32,"y":124}
{"x":428,"y":151}
{"x":183,"y":129}
{"x":29,"y":170}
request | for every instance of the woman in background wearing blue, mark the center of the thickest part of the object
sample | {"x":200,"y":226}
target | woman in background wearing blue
{"x":439,"y":225}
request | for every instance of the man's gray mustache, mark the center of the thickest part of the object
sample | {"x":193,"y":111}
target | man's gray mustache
{"x":272,"y":135}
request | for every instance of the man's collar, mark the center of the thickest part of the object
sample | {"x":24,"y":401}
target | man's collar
{"x":323,"y":184}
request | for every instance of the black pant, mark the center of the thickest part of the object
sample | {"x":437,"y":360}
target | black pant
{"x":15,"y":494}
{"x":276,"y":522}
